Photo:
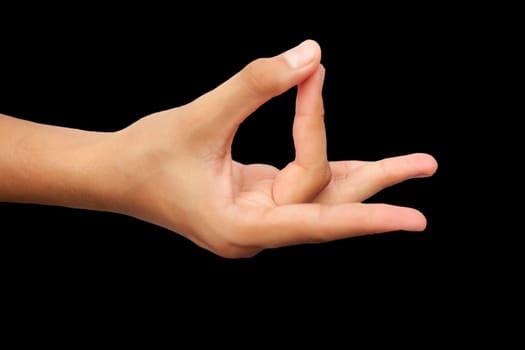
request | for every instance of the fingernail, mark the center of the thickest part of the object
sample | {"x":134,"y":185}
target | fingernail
{"x":301,"y":54}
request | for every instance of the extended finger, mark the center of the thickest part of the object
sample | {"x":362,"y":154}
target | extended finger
{"x":312,"y":223}
{"x":356,"y":181}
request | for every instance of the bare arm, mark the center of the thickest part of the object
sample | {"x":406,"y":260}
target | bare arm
{"x":47,"y":164}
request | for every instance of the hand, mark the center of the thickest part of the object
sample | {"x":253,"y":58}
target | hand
{"x":175,"y":169}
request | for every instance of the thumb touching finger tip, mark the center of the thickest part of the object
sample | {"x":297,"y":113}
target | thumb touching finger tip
{"x":302,"y":54}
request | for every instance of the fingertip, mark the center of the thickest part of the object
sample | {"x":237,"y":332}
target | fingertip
{"x":303,"y":55}
{"x":315,"y":47}
{"x":421,"y":223}
{"x":400,"y":218}
{"x":417,"y":221}
{"x":316,"y":78}
{"x":434,"y":164}
{"x":427,"y":163}
{"x":430,"y":161}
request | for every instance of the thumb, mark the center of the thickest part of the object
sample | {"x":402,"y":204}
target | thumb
{"x":231,"y":102}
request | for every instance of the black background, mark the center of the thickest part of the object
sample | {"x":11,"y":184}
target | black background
{"x":397,"y":82}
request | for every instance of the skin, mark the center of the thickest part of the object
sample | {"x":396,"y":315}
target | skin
{"x":174,"y":168}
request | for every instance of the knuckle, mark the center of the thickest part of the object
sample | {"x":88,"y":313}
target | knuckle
{"x":260,"y":80}
{"x":317,"y":237}
{"x":325,"y":175}
{"x":322,"y":111}
{"x":386,"y":171}
{"x":320,"y":235}
{"x":321,"y":175}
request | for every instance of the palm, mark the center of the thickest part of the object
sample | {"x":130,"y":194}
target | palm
{"x":351,"y":181}
{"x":253,"y":184}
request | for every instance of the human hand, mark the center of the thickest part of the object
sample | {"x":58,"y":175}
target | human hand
{"x":175,"y":169}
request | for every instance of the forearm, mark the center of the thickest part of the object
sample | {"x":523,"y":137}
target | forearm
{"x":52,"y":165}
